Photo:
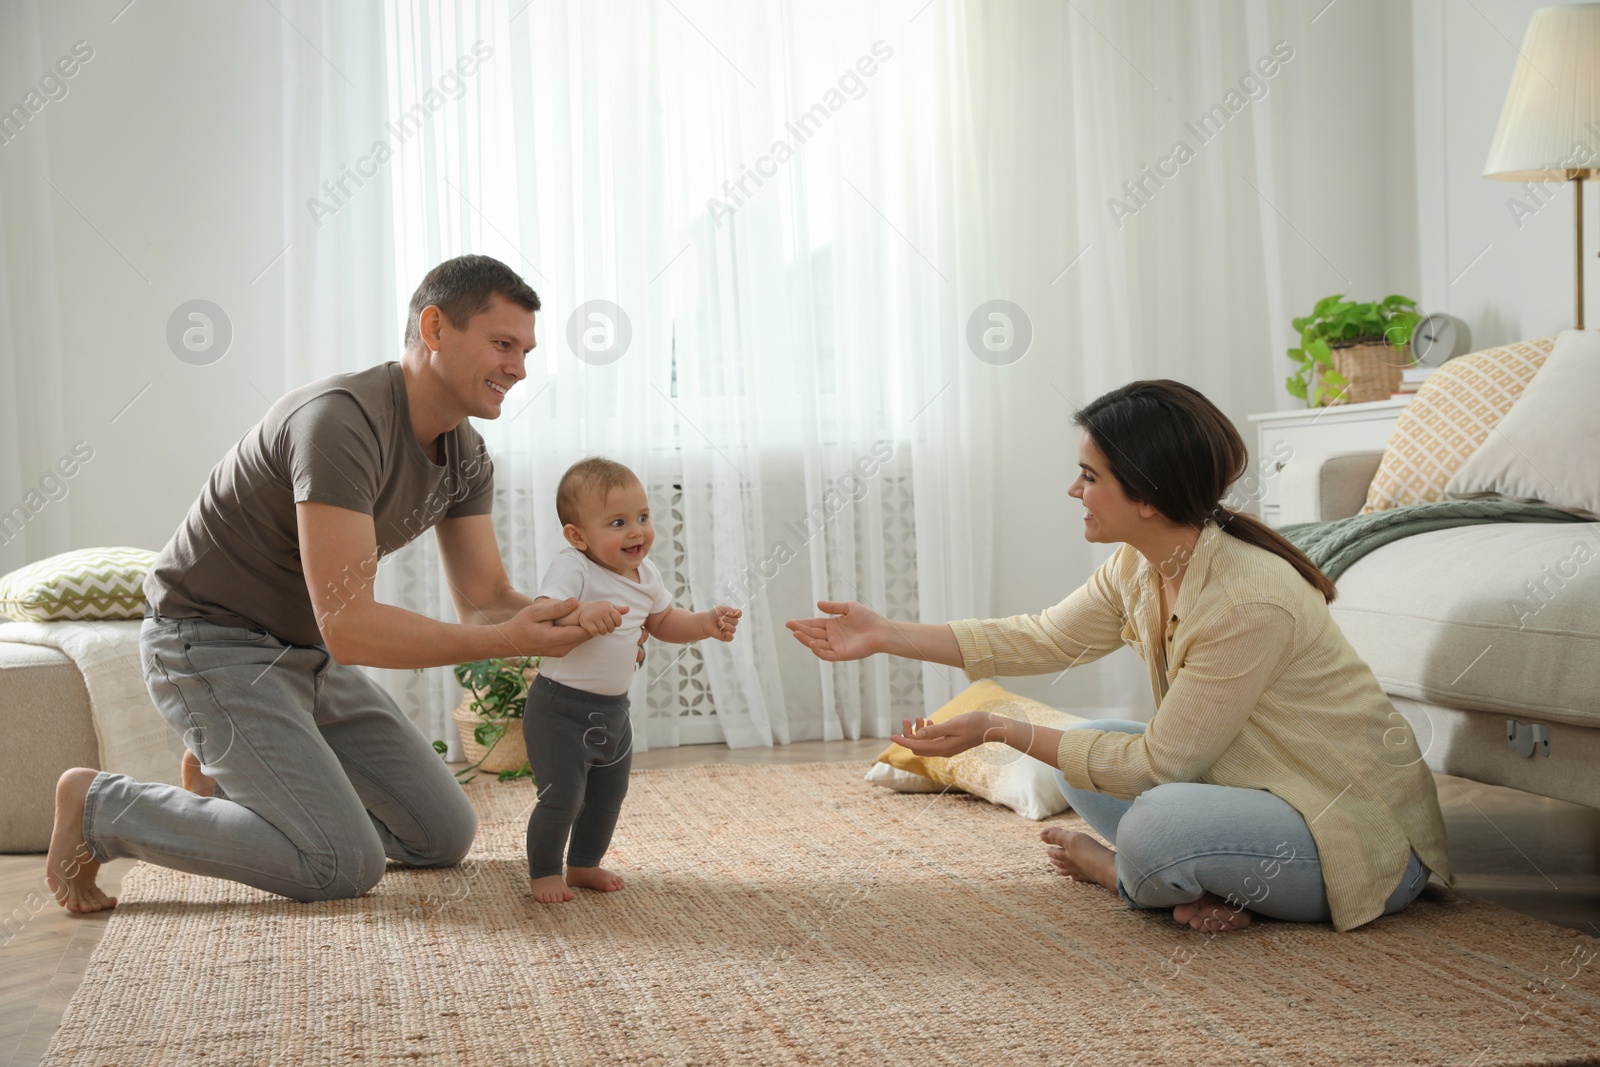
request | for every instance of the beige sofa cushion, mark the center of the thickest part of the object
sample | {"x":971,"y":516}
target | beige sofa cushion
{"x":1492,"y":618}
{"x":1448,"y":420}
{"x":1547,"y":448}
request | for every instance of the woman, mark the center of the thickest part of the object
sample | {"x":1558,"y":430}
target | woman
{"x":1275,"y":777}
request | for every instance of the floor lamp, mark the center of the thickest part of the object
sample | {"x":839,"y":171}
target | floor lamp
{"x":1550,"y":127}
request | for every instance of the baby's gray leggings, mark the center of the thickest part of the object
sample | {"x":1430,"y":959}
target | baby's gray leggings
{"x":580,"y":746}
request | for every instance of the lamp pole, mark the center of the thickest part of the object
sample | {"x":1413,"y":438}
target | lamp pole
{"x":1577,"y":244}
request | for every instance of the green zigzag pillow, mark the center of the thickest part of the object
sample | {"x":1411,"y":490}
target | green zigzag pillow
{"x":91,"y":583}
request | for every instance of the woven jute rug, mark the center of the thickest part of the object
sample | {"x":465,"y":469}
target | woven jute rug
{"x":794,"y":914}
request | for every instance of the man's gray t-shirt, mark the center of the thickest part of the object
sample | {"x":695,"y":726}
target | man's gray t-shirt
{"x":345,"y":440}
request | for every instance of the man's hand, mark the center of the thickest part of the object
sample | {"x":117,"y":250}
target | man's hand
{"x":721,"y":621}
{"x":535,"y":632}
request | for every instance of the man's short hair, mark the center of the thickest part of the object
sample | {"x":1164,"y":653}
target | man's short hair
{"x":595,"y":474}
{"x":464,"y":286}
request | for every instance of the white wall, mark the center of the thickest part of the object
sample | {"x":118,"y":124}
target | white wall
{"x":1521,"y":287}
{"x":166,"y":153}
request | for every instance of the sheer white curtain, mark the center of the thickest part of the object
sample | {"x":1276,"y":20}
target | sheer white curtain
{"x":791,"y":213}
{"x":1197,"y":272}
{"x":1073,"y":103}
{"x":816,"y":335}
{"x":343,"y":135}
{"x":785,"y":334}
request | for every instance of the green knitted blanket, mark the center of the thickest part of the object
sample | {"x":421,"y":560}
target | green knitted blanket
{"x":1336,"y":544}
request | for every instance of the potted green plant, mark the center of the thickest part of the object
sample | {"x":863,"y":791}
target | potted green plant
{"x":489,"y":716}
{"x":1349,"y":352}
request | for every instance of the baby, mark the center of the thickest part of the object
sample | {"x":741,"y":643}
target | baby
{"x":580,"y":741}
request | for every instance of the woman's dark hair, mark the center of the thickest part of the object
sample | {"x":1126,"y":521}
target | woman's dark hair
{"x":1168,"y":429}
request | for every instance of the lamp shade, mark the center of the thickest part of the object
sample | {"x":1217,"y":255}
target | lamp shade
{"x":1550,"y":126}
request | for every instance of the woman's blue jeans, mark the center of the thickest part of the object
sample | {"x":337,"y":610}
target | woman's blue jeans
{"x":1180,"y":840}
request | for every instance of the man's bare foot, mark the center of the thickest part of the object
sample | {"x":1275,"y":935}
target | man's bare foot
{"x":551,"y":889}
{"x":1211,"y":914}
{"x":196,"y":780}
{"x":1076,"y":855}
{"x":594,"y":878}
{"x":70,"y":867}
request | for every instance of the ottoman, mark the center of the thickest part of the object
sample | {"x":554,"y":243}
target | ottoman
{"x":44,"y":719}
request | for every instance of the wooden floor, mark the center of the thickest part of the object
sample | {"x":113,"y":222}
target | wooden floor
{"x":1537,"y":856}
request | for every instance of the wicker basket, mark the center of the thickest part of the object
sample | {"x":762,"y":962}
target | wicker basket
{"x":510,"y":753}
{"x":1372,"y":369}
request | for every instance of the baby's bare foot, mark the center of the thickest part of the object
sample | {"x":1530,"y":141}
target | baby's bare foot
{"x":1078,"y":856}
{"x":551,"y":889}
{"x":594,"y":878}
{"x":196,"y":780}
{"x":1211,"y":914}
{"x":70,"y":867}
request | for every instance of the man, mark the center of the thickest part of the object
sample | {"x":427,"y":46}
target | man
{"x":305,"y":775}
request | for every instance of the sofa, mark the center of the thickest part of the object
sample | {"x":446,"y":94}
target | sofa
{"x":1487,"y":637}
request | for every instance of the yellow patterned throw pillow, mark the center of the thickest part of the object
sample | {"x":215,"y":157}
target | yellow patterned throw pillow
{"x":1449,"y":419}
{"x":995,"y":772}
{"x":89,"y":584}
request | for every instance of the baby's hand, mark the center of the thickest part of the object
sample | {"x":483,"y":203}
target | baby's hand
{"x":600,"y":617}
{"x":722,"y":621}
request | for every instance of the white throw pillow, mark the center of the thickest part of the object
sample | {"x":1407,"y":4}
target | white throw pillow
{"x":1545,"y":450}
{"x":903,"y":781}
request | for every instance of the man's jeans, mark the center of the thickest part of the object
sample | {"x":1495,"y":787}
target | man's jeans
{"x":319,"y":775}
{"x":1179,"y":840}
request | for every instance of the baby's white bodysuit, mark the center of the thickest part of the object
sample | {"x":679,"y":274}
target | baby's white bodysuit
{"x":602,"y":664}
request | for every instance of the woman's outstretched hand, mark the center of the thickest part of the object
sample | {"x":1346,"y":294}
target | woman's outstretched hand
{"x":948,"y":738}
{"x":847,"y":631}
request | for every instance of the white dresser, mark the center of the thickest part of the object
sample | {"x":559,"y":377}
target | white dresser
{"x":1285,"y":437}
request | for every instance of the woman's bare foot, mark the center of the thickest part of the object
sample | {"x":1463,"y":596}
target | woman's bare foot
{"x":1211,"y":914}
{"x":196,"y":780}
{"x":551,"y":889}
{"x":594,"y":878}
{"x":1076,"y":855}
{"x":70,"y":867}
